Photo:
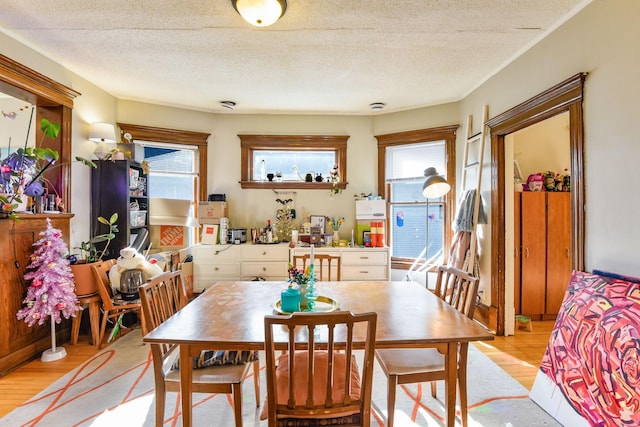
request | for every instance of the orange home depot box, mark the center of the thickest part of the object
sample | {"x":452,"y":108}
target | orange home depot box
{"x":168,"y":237}
{"x":211,"y":212}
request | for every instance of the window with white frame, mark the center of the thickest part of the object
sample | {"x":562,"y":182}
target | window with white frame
{"x":173,"y":174}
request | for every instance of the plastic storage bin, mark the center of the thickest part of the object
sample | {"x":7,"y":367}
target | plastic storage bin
{"x":138,"y":218}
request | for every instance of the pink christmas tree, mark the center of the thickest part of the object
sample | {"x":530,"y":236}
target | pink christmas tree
{"x":51,"y":293}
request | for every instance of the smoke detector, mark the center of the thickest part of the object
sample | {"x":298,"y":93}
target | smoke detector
{"x":376,"y":106}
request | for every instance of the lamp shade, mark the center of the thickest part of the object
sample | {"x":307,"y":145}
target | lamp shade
{"x":260,"y":13}
{"x":102,"y":132}
{"x":171,"y":212}
{"x":434,"y":185}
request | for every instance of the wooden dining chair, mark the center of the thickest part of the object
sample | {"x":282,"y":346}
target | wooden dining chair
{"x":323,"y":261}
{"x":317,"y":377}
{"x":416,"y":365}
{"x":112,"y":306}
{"x":161,"y":297}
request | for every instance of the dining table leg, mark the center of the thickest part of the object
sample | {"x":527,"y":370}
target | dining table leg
{"x":186,"y":381}
{"x":451,"y":368}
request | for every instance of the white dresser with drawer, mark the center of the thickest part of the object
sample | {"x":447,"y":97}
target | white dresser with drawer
{"x":268,"y":262}
{"x":355,"y":263}
{"x":213,"y":263}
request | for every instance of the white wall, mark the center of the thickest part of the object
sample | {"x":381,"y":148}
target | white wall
{"x":601,"y":40}
{"x":252,"y":207}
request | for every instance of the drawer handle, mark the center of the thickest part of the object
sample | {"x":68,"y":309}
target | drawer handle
{"x":215,"y":269}
{"x":264,"y":253}
{"x":264,"y":268}
{"x":364,"y":257}
{"x":364,"y":272}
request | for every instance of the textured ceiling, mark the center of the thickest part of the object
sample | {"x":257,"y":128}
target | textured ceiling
{"x":323,"y":56}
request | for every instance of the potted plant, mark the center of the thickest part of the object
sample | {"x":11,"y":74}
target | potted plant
{"x":91,"y":255}
{"x":21,"y":172}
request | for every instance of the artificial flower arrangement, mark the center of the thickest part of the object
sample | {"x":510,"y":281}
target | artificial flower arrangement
{"x":21,"y":172}
{"x":335,"y":223}
{"x":298,"y":277}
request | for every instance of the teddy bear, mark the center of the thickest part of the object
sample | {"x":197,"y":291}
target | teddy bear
{"x":130,"y":259}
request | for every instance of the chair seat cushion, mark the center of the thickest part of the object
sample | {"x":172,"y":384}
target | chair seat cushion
{"x":208,"y":358}
{"x":410,"y":360}
{"x":226,"y":374}
{"x":320,"y":376}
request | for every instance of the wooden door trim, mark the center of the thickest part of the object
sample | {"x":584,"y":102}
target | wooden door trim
{"x":565,"y":96}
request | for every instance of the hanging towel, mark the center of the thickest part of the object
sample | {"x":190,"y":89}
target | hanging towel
{"x":464,"y":217}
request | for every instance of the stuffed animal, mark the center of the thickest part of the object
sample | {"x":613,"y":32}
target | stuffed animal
{"x":130,"y":259}
{"x":535,"y":182}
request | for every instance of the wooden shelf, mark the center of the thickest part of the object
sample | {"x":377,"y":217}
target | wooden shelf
{"x":291,"y":185}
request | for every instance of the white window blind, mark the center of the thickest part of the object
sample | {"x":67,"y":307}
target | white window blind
{"x":408,"y":162}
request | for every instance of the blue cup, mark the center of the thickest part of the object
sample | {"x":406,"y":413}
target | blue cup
{"x":290,"y":300}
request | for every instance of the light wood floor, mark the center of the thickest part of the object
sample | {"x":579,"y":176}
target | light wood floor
{"x":519,"y":355}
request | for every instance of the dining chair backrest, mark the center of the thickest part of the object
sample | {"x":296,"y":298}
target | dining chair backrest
{"x":113,"y":311}
{"x":100,"y":271}
{"x":324,"y":263}
{"x":458,"y":288}
{"x":316,"y":376}
{"x":162,"y":296}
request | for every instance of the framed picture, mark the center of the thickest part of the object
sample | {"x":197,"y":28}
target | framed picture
{"x":318,"y":221}
{"x":209,"y":234}
{"x":366,"y":238}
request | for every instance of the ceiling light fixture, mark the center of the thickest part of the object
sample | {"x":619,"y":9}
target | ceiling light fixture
{"x":260,"y":13}
{"x":377,"y":106}
{"x":229,"y":105}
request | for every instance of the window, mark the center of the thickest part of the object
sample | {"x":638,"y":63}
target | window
{"x":296,"y":157}
{"x":173,"y":174}
{"x":403,"y":157}
{"x":177,"y":164}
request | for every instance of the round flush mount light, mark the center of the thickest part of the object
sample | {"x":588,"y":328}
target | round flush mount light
{"x":229,"y":105}
{"x":260,"y":13}
{"x":376,"y":106}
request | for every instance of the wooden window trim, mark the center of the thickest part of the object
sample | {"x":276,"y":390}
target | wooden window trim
{"x":251,"y":143}
{"x":173,"y":136}
{"x":446,"y":133}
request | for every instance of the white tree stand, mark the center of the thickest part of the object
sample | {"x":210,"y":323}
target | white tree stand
{"x":53,"y":353}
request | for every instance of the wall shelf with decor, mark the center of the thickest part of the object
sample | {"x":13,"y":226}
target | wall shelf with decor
{"x":292,"y":185}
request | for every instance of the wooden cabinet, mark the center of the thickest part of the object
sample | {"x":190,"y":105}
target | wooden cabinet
{"x":20,"y":343}
{"x":559,"y":262}
{"x":120,"y":187}
{"x":544,"y":256}
{"x":356,"y":263}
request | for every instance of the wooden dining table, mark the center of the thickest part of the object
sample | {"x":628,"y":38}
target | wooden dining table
{"x":230,"y":316}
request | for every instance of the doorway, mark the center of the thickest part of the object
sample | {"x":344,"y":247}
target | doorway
{"x":567,"y":96}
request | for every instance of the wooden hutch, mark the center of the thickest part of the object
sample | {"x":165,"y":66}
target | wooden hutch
{"x":18,"y":342}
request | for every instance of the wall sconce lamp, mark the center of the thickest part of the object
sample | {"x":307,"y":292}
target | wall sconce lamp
{"x":102,"y":133}
{"x":260,"y":13}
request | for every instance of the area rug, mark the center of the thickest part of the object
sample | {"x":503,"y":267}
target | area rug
{"x":115,"y":388}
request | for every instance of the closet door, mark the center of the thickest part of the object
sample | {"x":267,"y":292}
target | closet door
{"x":558,"y":250}
{"x":517,"y":253}
{"x":534,"y":252}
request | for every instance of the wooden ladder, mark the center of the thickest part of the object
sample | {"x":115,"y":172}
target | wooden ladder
{"x":474,"y":164}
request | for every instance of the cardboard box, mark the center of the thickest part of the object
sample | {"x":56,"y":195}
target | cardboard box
{"x":168,"y":237}
{"x":211,"y":212}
